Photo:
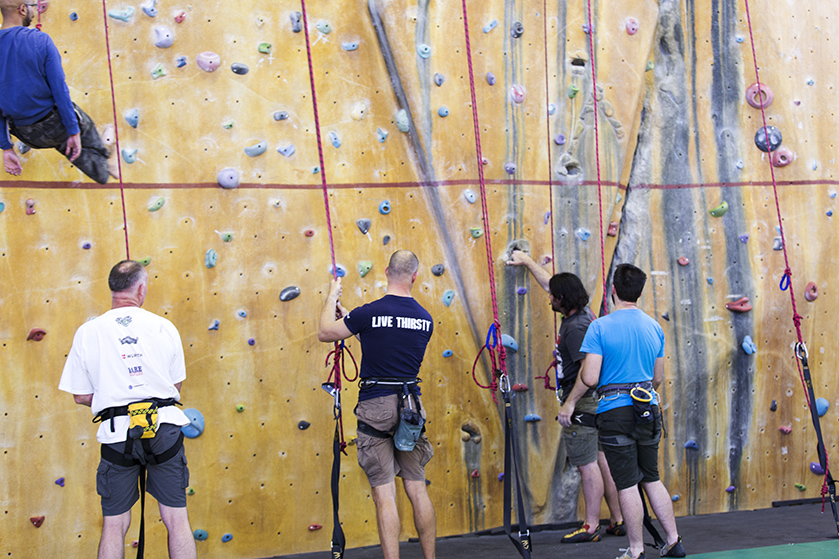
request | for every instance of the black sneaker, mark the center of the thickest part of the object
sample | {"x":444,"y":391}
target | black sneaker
{"x":582,"y":535}
{"x":675,"y":550}
{"x":618,"y":529}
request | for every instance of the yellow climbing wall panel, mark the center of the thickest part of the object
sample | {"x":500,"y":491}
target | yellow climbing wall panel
{"x":675,"y":140}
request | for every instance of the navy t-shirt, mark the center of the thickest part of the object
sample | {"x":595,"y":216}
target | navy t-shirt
{"x":394,"y":333}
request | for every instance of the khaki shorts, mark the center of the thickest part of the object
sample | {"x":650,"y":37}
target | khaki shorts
{"x":580,"y":440}
{"x":378,"y":457}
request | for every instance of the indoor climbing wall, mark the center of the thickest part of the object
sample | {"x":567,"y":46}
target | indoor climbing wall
{"x":223,"y":203}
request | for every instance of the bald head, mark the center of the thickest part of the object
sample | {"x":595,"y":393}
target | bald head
{"x":125,"y":275}
{"x":402,"y":266}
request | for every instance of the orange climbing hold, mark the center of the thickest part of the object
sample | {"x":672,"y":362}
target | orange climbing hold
{"x":740,"y":305}
{"x":811,"y":292}
{"x":313,"y":527}
{"x":37,"y":521}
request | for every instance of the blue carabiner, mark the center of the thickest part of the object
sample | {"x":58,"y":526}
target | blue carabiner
{"x":784,"y":282}
{"x":492,"y":333}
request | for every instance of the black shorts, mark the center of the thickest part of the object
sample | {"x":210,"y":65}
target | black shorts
{"x":631,"y":449}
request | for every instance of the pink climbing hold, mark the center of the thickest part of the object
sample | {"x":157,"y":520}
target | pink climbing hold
{"x":740,"y":305}
{"x":475,"y":474}
{"x":36,"y":334}
{"x":517,"y":93}
{"x":180,"y":17}
{"x":309,"y":232}
{"x":760,"y":96}
{"x":811,"y":292}
{"x":781,"y":157}
{"x":632,"y":26}
{"x":683,"y":261}
{"x":30,"y":206}
{"x":785,"y":429}
{"x":208,"y":61}
{"x":613,"y":229}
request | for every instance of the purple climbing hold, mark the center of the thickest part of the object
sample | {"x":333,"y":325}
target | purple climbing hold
{"x":251,"y":341}
{"x":208,"y":61}
{"x":815,"y":467}
{"x":228,"y":178}
{"x":385,"y":239}
{"x":774,"y":139}
{"x":521,"y":290}
{"x":773,"y":406}
{"x":439,"y":79}
{"x":586,"y":28}
{"x":560,"y":139}
{"x":547,"y":217}
{"x":163,"y":37}
{"x":501,"y":476}
{"x":510,"y":168}
{"x":730,"y":489}
{"x":87,"y":246}
{"x":60,"y":481}
{"x":490,"y":78}
{"x":296,"y":22}
{"x":744,"y":238}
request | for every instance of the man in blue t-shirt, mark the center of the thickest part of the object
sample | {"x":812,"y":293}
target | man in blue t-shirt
{"x":394,"y":332}
{"x":35,"y":102}
{"x":625,"y":361}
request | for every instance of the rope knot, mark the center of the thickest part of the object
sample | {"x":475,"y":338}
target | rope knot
{"x":796,"y":318}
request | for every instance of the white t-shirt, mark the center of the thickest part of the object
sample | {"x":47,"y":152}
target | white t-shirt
{"x":124,"y":356}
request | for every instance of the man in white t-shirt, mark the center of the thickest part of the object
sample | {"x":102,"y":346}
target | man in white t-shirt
{"x":124,"y":356}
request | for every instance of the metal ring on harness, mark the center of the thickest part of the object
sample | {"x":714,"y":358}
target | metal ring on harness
{"x":642,"y":398}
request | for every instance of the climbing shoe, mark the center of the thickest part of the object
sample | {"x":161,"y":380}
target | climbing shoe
{"x":582,"y":535}
{"x":618,"y":529}
{"x":628,"y":555}
{"x":675,"y":550}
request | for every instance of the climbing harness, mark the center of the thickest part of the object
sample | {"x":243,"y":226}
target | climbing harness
{"x":828,"y":484}
{"x":143,"y":428}
{"x":499,"y":365}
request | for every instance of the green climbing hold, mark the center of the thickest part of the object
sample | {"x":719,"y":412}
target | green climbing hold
{"x":240,"y":408}
{"x":573,"y":90}
{"x":158,"y":72}
{"x":364,"y":267}
{"x":226,"y":237}
{"x":144,"y":261}
{"x":227,"y":125}
{"x":720,"y":210}
{"x":650,"y":65}
{"x":476,"y":232}
{"x":801,"y":487}
{"x":324,"y":27}
{"x":402,"y":120}
{"x":157,"y":204}
{"x":264,"y":48}
{"x":190,"y":491}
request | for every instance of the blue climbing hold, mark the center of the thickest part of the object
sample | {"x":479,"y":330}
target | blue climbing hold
{"x":448,"y":296}
{"x":744,"y":239}
{"x":381,"y":134}
{"x":74,"y":16}
{"x":296,"y":22}
{"x":227,"y":537}
{"x":200,"y":535}
{"x":215,"y":324}
{"x":228,"y":178}
{"x":336,"y":141}
{"x":242,"y":313}
{"x":710,"y":281}
{"x":239,"y":68}
{"x":341,"y":271}
{"x":163,"y":37}
{"x":774,"y":141}
{"x":289,"y":293}
{"x":288,"y":150}
{"x":349,"y":47}
{"x":384,"y":207}
{"x":210,"y":258}
{"x":439,"y":79}
{"x":582,"y":233}
{"x":122,"y":15}
{"x":490,"y":26}
{"x":363,"y":225}
{"x":256,"y":149}
{"x":532,"y":418}
{"x":438,"y":270}
{"x":691,"y":444}
{"x":180,"y":61}
{"x":675,"y":498}
{"x":822,"y":406}
{"x":424,"y":51}
{"x":470,"y":196}
{"x":749,"y":346}
{"x":2,"y":207}
{"x":85,"y":246}
{"x":448,"y":353}
{"x":280,"y":115}
{"x":385,"y":239}
{"x":150,"y":9}
{"x":551,"y":109}
{"x":196,"y":424}
{"x":509,"y":343}
{"x":129,"y":155}
{"x":132,"y":117}
{"x":443,"y":111}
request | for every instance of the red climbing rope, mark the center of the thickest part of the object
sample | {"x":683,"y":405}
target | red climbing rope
{"x":501,"y":364}
{"x":116,"y":127}
{"x":597,"y":159}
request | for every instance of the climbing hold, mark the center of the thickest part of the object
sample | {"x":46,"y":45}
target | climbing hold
{"x":313,"y":527}
{"x":759,"y":96}
{"x":242,"y":313}
{"x":683,"y":261}
{"x":309,"y":232}
{"x":443,"y":112}
{"x":157,"y":204}
{"x":289,"y":293}
{"x":251,"y":341}
{"x":240,"y":408}
{"x":720,"y":210}
{"x":196,"y":423}
{"x":501,"y":476}
{"x":475,"y":474}
{"x":740,"y":305}
{"x":296,"y":22}
{"x":816,"y":468}
{"x":363,"y":225}
{"x":227,"y":537}
{"x":256,"y":149}
{"x":280,"y":115}
{"x":158,"y":71}
{"x":288,"y":150}
{"x":264,"y":48}
{"x":448,"y":296}
{"x":829,"y":213}
{"x":36,"y":521}
{"x":547,"y":217}
{"x":532,"y":418}
{"x":490,"y":26}
{"x":364,"y":267}
{"x":122,"y":15}
{"x":402,"y":120}
{"x":476,"y":232}
{"x":144,"y":261}
{"x":510,"y":168}
{"x":773,"y":406}
{"x":491,"y":78}
{"x":87,"y":246}
{"x":470,"y":196}
{"x":384,"y":207}
{"x":448,"y":353}
{"x":691,"y":445}
{"x":208,"y":61}
{"x":358,"y":111}
{"x":613,"y":229}
{"x":801,"y":487}
{"x":582,"y":233}
{"x":190,"y":491}
{"x":516,"y":29}
{"x":749,"y":346}
{"x":74,"y":16}
{"x":785,"y":429}
{"x":666,"y":316}
{"x":782,"y":157}
{"x":773,"y":142}
{"x":740,"y":39}
{"x":214,"y":325}
{"x":730,"y":489}
{"x":227,"y":125}
{"x":239,"y":68}
{"x":710,"y":281}
{"x":163,"y":37}
{"x":334,"y":139}
{"x":129,"y":155}
{"x":822,"y":406}
{"x":180,"y":17}
{"x":228,"y":178}
{"x":200,"y":535}
{"x":811,"y":292}
{"x":438,"y":270}
{"x":650,"y":65}
{"x":36,"y":334}
{"x":439,"y":79}
{"x":560,"y":139}
{"x":675,"y":498}
{"x":381,"y":134}
{"x":132,"y":117}
{"x":586,"y":28}
{"x":424,"y":51}
{"x":521,"y":290}
{"x":739,"y":164}
{"x":777,"y":243}
{"x":551,"y":108}
{"x":632,"y":26}
{"x":510,"y":343}
{"x":149,"y":8}
{"x":517,"y":93}
{"x":303,"y":425}
{"x":349,"y":47}
{"x":60,"y":481}
{"x":519,"y":387}
{"x":573,"y":90}
{"x":210,"y":258}
{"x":324,"y":27}
{"x":385,"y":239}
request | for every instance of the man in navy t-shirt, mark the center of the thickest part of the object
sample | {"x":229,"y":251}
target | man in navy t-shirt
{"x":394,"y":332}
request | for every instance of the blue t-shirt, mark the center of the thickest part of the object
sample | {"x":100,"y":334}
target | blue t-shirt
{"x":394,"y":333}
{"x":31,"y":81}
{"x":630,"y":342}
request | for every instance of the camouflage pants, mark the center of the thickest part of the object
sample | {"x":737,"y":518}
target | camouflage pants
{"x":50,"y":132}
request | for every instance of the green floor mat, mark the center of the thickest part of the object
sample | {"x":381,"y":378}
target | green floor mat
{"x":812,"y":550}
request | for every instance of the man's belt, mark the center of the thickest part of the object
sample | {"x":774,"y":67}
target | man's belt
{"x":370,"y":382}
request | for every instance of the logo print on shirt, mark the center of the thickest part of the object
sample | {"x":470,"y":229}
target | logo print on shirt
{"x":124,"y":320}
{"x":128,"y":340}
{"x":135,"y":371}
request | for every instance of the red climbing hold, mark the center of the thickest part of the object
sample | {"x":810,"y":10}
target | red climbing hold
{"x":309,"y":232}
{"x":36,"y":521}
{"x":475,"y":474}
{"x":180,"y":17}
{"x":811,"y":292}
{"x":759,"y":96}
{"x":740,"y":305}
{"x":785,"y":429}
{"x":613,"y":229}
{"x":313,"y":527}
{"x":36,"y":334}
{"x":683,"y":261}
{"x":135,"y":544}
{"x":632,"y":26}
{"x":519,"y":387}
{"x":781,"y":157}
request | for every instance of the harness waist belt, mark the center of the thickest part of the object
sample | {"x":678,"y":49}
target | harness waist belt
{"x":617,"y":389}
{"x":116,"y":411}
{"x":584,"y":419}
{"x":387,"y":381}
{"x":371,"y":431}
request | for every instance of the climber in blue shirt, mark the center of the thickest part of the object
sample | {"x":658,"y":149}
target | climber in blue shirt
{"x":35,"y":103}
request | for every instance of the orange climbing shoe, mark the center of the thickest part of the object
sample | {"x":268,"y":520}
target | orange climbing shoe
{"x":618,"y":529}
{"x":582,"y":535}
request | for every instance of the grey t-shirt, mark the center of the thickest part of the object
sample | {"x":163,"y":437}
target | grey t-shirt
{"x":572,"y":330}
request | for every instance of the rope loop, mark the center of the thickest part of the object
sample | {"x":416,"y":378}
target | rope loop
{"x":784,"y":285}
